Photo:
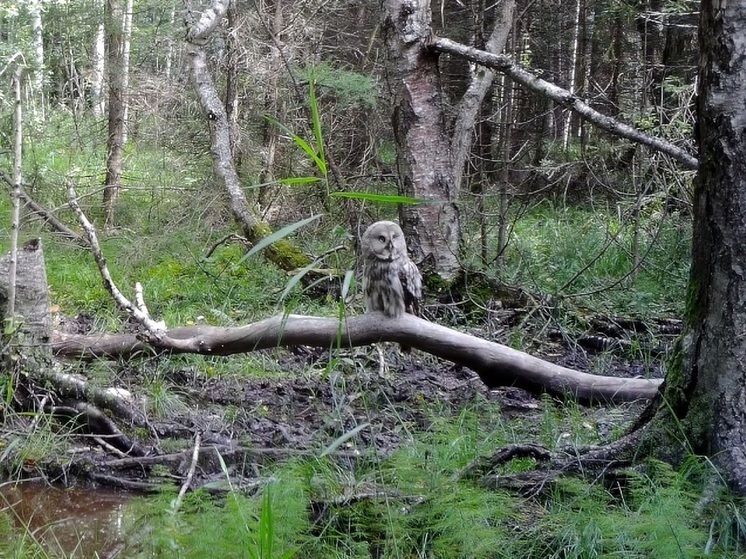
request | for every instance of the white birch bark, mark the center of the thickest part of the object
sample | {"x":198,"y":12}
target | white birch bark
{"x":98,"y":63}
{"x":126,"y":48}
{"x":34,"y":8}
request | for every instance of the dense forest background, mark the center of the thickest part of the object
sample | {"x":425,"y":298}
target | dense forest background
{"x":573,"y":244}
{"x":632,"y":61}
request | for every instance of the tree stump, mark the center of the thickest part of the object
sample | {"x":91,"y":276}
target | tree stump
{"x":31,"y":339}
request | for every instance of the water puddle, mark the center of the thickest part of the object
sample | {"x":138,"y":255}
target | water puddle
{"x":68,"y":522}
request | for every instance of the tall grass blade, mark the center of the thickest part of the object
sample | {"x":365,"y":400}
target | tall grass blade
{"x":277,"y":235}
{"x":296,"y":278}
{"x":316,"y":120}
{"x":302,"y":144}
{"x":382,"y":198}
{"x":292,"y":181}
{"x":349,"y":276}
{"x":344,"y":438}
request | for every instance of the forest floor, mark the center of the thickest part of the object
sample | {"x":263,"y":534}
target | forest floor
{"x":366,"y":403}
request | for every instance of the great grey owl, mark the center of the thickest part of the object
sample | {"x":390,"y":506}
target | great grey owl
{"x":391,"y":281}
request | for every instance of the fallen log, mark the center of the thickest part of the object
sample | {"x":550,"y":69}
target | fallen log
{"x":496,"y":364}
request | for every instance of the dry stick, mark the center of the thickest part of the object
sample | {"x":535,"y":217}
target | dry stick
{"x":44,"y":213}
{"x":224,"y":240}
{"x":138,"y":312}
{"x":190,"y":474}
{"x":114,"y":450}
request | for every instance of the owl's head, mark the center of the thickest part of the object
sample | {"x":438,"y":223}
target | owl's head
{"x":384,"y":240}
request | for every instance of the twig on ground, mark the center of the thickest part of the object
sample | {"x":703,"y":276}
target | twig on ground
{"x":192,"y":467}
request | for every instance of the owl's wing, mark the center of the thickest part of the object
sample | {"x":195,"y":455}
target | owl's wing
{"x":411,"y":281}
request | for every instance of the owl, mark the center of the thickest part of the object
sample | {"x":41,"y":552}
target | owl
{"x":391,"y":281}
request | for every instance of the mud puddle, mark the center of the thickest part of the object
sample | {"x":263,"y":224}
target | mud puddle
{"x":69,"y":522}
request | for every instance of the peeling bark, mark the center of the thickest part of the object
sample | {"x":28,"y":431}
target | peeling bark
{"x":31,"y":301}
{"x":424,"y":155}
{"x":31,"y":361}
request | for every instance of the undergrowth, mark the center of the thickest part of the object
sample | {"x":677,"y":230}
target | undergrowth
{"x":414,"y":504}
{"x":586,"y":256}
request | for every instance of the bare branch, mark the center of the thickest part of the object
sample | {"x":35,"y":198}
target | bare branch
{"x":44,"y":213}
{"x":471,"y":101}
{"x":496,"y":365}
{"x":199,"y":31}
{"x":521,"y":75}
{"x":139,"y":313}
{"x":192,"y":468}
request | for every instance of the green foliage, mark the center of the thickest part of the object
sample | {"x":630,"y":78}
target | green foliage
{"x":588,"y":255}
{"x":277,"y":235}
{"x":413,"y":504}
{"x":270,"y":526}
{"x":350,"y":89}
{"x":15,"y":546}
{"x":24,"y":452}
{"x":583,"y":521}
{"x":380,"y":198}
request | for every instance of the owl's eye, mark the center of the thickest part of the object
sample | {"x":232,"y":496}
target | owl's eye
{"x":382,"y":239}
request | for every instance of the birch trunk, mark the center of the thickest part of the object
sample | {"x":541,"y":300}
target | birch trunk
{"x":115,"y":140}
{"x":424,"y":158}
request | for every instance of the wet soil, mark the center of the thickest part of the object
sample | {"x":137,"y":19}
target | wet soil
{"x":306,"y":406}
{"x":367,"y":403}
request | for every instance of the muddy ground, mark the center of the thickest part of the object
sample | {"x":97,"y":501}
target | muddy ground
{"x":307,"y":407}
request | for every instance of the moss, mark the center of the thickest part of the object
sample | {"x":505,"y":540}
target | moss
{"x":283,"y":253}
{"x":684,"y":418}
{"x":435,"y":283}
{"x":692,"y":299}
{"x":675,"y":391}
{"x":696,"y":428}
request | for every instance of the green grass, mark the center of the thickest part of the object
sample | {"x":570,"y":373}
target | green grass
{"x":421,"y":509}
{"x":585,"y":255}
{"x":171,"y":214}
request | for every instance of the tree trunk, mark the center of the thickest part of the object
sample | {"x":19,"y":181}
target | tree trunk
{"x":273,"y":102}
{"x":15,"y":198}
{"x":424,"y":155}
{"x":231,"y":81}
{"x":37,"y":37}
{"x":706,"y":385}
{"x":31,"y":301}
{"x":283,"y":252}
{"x":115,"y":141}
{"x":481,"y":81}
{"x":170,"y":44}
{"x":98,"y":62}
{"x":126,"y":48}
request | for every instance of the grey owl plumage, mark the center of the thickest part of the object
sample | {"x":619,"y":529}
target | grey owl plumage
{"x":392,"y":283}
